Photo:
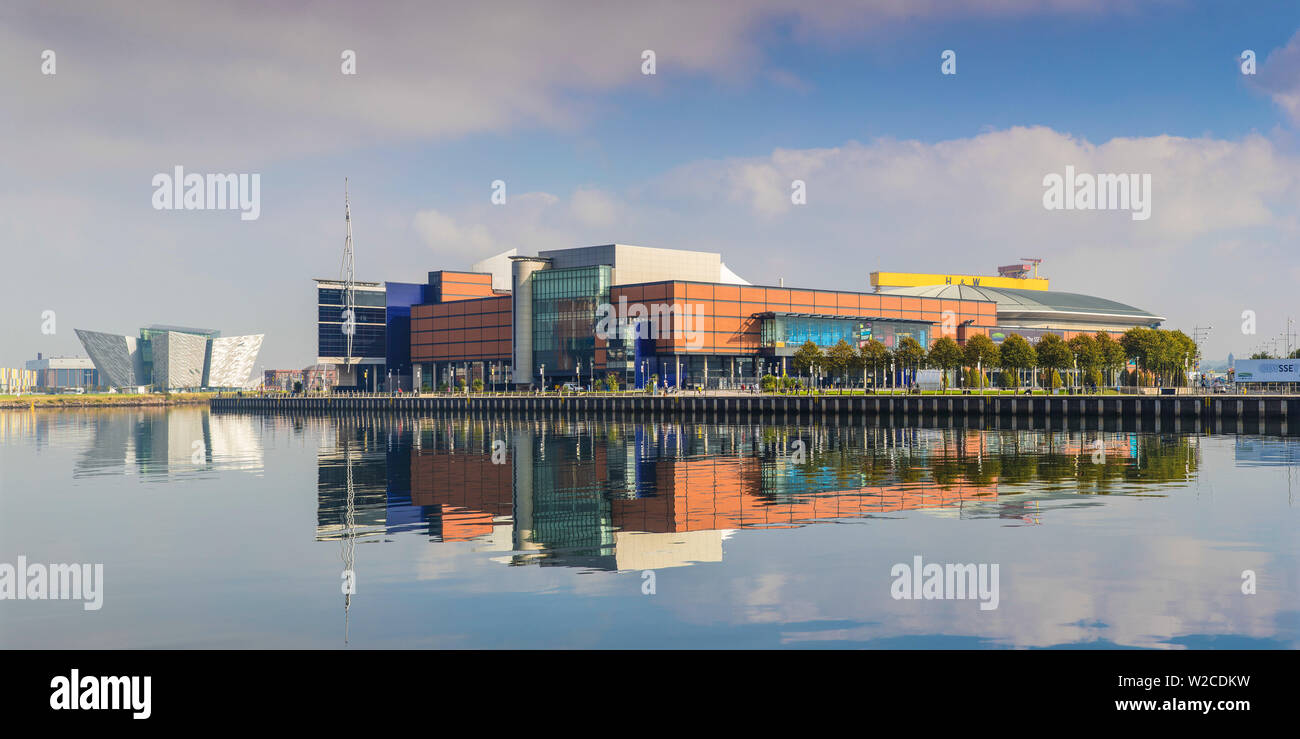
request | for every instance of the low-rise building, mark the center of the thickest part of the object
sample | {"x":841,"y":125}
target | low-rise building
{"x":56,"y":373}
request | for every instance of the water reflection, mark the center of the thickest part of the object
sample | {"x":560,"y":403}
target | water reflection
{"x":155,"y":443}
{"x":764,"y":535}
{"x":634,"y":496}
{"x":1257,"y":451}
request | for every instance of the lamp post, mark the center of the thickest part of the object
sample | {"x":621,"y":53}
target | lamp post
{"x":542,"y":371}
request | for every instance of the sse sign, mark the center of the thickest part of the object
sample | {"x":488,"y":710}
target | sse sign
{"x":1267,"y":370}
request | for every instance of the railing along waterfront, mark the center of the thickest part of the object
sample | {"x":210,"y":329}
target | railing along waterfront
{"x":1155,"y":413}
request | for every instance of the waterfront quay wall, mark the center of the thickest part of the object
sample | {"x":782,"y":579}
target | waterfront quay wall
{"x":1145,"y":412}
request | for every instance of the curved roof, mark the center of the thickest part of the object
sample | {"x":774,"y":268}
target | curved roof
{"x":1041,"y":302}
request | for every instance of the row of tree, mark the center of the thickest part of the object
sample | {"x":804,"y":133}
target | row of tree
{"x":1099,"y":358}
{"x":1268,"y":355}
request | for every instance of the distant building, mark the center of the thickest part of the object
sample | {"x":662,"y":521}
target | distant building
{"x":53,"y":373}
{"x":282,"y":380}
{"x":320,"y":377}
{"x":17,"y":380}
{"x":173,"y":358}
{"x":1035,"y":312}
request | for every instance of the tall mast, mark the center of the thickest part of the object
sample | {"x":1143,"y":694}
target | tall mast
{"x":347,"y":275}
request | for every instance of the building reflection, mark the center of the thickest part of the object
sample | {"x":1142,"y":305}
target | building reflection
{"x":157,"y":443}
{"x":1261,"y":451}
{"x":627,"y":496}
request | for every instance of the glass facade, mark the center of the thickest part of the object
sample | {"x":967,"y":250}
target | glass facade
{"x":400,"y":296}
{"x":333,"y":296}
{"x":791,"y":332}
{"x":369,"y":339}
{"x":564,"y":317}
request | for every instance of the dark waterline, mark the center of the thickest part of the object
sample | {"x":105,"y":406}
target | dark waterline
{"x":231,"y":530}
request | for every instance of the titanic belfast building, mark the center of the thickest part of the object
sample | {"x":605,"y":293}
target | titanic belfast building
{"x":164,"y":358}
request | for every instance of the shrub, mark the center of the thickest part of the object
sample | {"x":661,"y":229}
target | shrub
{"x":768,"y":383}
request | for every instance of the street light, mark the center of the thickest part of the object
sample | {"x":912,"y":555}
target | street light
{"x":542,"y":372}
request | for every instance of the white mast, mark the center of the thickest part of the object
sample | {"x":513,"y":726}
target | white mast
{"x":347,"y":275}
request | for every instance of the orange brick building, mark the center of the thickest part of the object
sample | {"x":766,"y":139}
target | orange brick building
{"x":637,"y":312}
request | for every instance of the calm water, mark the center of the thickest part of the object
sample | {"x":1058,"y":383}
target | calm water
{"x":233,"y":531}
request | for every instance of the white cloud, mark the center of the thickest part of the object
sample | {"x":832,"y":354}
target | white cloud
{"x":591,"y":207}
{"x":449,"y":240}
{"x":243,"y":82}
{"x":1279,"y":75}
{"x":1222,"y":219}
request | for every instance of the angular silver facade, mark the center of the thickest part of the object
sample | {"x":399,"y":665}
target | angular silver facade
{"x":116,"y":357}
{"x":231,"y":361}
{"x":178,"y":360}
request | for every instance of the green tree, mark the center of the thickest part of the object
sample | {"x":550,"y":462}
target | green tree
{"x":1016,"y":354}
{"x":806,"y":356}
{"x":980,"y":352}
{"x":1086,"y":355}
{"x":909,"y":353}
{"x":874,"y":357}
{"x":841,"y":358}
{"x":1142,"y":346}
{"x":1111,"y":354}
{"x":1180,"y":353}
{"x":1053,"y":354}
{"x":1167,"y":354}
{"x":946,"y":355}
{"x":1052,"y":378}
{"x":1094,"y":378}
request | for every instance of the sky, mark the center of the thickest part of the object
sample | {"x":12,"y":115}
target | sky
{"x":905,"y":168}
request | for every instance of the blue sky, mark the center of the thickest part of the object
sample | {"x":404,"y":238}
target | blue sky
{"x":907,"y":169}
